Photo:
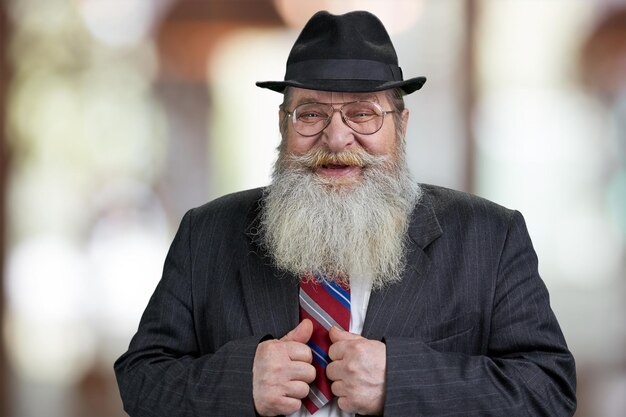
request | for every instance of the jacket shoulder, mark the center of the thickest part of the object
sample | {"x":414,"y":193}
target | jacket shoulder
{"x":453,"y":205}
{"x":236,"y":209}
{"x":234,"y":201}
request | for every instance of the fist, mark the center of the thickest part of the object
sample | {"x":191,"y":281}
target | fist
{"x":282,"y":372}
{"x":358,"y":372}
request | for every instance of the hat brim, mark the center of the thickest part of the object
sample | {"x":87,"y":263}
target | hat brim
{"x":346,"y":86}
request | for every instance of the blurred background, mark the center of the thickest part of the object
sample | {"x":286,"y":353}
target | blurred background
{"x":116,"y":116}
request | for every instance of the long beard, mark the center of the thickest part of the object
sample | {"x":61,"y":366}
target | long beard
{"x":310,"y":224}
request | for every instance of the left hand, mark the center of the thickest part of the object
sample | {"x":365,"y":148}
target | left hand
{"x":357,"y":371}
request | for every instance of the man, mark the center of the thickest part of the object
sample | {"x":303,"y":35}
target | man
{"x":344,"y":288}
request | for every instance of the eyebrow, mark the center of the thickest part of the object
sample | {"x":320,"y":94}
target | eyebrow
{"x":310,"y":99}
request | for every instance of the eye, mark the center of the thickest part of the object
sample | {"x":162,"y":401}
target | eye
{"x":361,"y":115}
{"x":311,"y":113}
{"x":360,"y":112}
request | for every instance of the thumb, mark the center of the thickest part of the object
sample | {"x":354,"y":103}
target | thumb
{"x":301,"y":333}
{"x":336,"y":334}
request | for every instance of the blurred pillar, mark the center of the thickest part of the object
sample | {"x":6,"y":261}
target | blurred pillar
{"x":4,"y":162}
{"x":469,"y":92}
{"x":186,"y":39}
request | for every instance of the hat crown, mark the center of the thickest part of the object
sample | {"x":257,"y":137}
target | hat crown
{"x":349,"y":53}
{"x":355,"y":35}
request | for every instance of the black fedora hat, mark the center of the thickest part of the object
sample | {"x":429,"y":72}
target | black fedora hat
{"x":348,"y":53}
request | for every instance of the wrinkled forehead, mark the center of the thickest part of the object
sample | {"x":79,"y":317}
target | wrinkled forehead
{"x":300,"y":95}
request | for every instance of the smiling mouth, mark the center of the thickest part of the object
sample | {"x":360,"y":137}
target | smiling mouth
{"x":335,"y":166}
{"x":338,"y":171}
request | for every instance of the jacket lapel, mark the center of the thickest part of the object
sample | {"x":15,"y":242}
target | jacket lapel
{"x":389,"y":308}
{"x":271,"y":297}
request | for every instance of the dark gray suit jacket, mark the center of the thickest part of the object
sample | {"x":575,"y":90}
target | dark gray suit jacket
{"x":469,"y":330}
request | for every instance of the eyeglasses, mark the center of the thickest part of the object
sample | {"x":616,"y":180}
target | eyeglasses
{"x":364,"y":117}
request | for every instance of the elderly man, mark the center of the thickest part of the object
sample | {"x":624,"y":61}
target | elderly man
{"x":344,"y":287}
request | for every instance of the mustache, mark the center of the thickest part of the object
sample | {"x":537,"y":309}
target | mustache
{"x":322,"y":157}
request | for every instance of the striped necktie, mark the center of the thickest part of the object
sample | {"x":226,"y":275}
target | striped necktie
{"x":326,"y":304}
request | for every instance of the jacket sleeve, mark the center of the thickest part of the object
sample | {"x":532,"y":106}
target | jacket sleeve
{"x":163,"y":372}
{"x":526,"y":369}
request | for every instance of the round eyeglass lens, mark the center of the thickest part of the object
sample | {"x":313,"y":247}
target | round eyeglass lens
{"x":311,"y":118}
{"x":364,"y":117}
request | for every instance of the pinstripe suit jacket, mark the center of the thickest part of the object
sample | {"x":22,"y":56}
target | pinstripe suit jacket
{"x":469,"y":330}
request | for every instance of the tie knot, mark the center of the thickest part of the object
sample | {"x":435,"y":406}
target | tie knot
{"x":342,"y":281}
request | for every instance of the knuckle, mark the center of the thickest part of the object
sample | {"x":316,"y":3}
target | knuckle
{"x":360,"y":348}
{"x":290,"y":409}
{"x":296,"y":348}
{"x":345,"y":404}
{"x":311,"y":373}
{"x":267,"y":348}
{"x":332,"y":350}
{"x":275,"y":402}
{"x":353,"y":367}
{"x":330,"y":370}
{"x":301,"y":390}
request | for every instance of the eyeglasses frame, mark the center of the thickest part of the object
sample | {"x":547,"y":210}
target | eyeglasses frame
{"x":292,"y":115}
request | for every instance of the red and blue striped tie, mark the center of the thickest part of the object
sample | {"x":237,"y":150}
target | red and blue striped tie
{"x":326,"y":304}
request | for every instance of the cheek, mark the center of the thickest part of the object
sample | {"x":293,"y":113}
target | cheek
{"x":299,"y":145}
{"x":378,"y":145}
{"x":376,"y":148}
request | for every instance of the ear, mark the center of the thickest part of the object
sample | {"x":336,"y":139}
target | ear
{"x":405,"y":120}
{"x":283,"y":118}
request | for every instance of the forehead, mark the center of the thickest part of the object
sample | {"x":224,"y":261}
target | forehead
{"x":300,"y":95}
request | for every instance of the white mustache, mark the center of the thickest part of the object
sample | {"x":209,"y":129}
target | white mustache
{"x":320,"y":157}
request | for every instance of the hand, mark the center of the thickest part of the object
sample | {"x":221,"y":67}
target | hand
{"x":282,"y":372}
{"x":357,"y":371}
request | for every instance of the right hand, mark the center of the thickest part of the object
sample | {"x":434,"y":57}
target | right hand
{"x":282,"y":372}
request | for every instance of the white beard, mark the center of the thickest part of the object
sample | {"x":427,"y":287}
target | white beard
{"x":311,"y":225}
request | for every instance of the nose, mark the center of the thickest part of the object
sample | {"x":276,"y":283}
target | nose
{"x":337,"y":135}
